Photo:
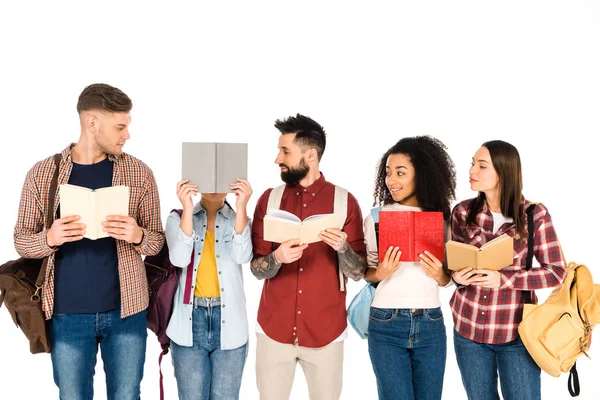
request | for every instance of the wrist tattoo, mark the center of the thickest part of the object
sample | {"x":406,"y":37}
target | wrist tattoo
{"x":265,"y":267}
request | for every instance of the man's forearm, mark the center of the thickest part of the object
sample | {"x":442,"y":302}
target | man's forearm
{"x":353,"y":265}
{"x":265,"y":267}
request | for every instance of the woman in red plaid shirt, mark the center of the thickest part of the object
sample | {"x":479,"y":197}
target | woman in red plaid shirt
{"x":487,"y":306}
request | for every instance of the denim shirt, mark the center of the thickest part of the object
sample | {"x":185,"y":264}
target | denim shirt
{"x":231,"y":250}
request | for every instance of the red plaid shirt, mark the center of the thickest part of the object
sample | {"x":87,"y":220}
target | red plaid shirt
{"x":493,"y":315}
{"x":144,"y":206}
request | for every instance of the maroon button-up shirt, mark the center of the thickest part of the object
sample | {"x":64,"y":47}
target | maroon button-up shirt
{"x":303,"y":301}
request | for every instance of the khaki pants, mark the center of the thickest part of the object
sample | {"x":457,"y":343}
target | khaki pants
{"x":276,"y":367}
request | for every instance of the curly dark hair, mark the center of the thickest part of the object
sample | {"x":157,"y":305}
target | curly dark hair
{"x":435,"y":175}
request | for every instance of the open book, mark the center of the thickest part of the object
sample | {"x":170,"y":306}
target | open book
{"x":281,"y":226}
{"x":93,"y":206}
{"x":494,"y":255}
{"x":413,"y":232}
{"x":213,"y":166}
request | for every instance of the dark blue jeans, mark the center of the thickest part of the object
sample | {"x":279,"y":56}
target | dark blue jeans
{"x":408,"y":352}
{"x":75,"y":338}
{"x":480,"y":364}
{"x":204,"y":371}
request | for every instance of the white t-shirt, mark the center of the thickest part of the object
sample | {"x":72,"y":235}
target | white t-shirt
{"x":499,"y":220}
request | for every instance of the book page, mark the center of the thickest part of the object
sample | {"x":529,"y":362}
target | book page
{"x":278,"y":230}
{"x":312,"y":227}
{"x":231,"y":163}
{"x":283,"y":215}
{"x":77,"y":200}
{"x":199,"y":165}
{"x":461,"y":255}
{"x":496,"y":254}
{"x":112,"y":200}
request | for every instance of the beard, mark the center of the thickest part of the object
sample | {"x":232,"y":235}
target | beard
{"x":294,"y":175}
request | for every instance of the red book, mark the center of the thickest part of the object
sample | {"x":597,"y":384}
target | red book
{"x":413,"y":232}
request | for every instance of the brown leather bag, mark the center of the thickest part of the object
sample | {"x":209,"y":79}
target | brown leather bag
{"x":21,"y":284}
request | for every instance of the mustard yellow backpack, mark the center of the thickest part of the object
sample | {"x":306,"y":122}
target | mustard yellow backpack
{"x":558,"y":331}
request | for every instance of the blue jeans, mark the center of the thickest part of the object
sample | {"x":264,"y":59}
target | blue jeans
{"x":204,"y":371}
{"x":75,"y":338}
{"x":408,"y":352}
{"x":480,"y":364}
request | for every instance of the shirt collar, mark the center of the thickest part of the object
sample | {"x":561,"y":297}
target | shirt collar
{"x":66,"y":154}
{"x":313,"y":189}
{"x":226,"y":210}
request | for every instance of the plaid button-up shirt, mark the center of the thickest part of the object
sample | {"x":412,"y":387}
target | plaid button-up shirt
{"x":144,"y":206}
{"x":493,"y":315}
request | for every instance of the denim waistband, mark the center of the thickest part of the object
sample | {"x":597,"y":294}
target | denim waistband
{"x":207,"y":301}
{"x":408,"y":311}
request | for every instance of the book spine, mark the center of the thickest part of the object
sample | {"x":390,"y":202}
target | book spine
{"x":93,"y":200}
{"x":411,"y":236}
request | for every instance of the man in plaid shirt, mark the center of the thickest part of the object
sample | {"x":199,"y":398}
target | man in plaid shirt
{"x":95,"y":291}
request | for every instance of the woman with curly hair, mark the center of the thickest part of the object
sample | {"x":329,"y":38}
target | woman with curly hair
{"x":406,"y":334}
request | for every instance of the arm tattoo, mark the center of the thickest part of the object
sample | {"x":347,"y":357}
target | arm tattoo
{"x":353,"y":265}
{"x":265,"y":267}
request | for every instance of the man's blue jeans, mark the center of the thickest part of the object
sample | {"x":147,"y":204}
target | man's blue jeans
{"x":75,"y":339}
{"x":480,"y":364}
{"x":204,"y":371}
{"x":408,"y":352}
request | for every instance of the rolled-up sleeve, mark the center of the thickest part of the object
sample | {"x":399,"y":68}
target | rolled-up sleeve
{"x":242,"y":245}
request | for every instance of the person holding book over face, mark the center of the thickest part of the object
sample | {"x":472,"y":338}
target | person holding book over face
{"x":302,"y":310}
{"x":487,"y":305}
{"x":209,"y":327}
{"x":406,"y":333}
{"x":95,"y":291}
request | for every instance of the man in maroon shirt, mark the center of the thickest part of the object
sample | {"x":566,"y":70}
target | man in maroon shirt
{"x":302,"y":311}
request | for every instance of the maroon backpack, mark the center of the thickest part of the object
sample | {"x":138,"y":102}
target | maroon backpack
{"x":163,"y":278}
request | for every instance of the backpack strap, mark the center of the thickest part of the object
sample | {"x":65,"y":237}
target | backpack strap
{"x":529,"y":260}
{"x":275,"y":198}
{"x":375,"y":215}
{"x":573,"y":384}
{"x":340,"y":208}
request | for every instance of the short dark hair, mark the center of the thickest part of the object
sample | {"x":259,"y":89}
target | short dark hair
{"x":435,"y":174}
{"x":100,"y":96}
{"x":507,"y":164}
{"x":308,"y":132}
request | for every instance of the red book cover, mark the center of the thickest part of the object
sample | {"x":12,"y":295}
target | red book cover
{"x":413,"y":232}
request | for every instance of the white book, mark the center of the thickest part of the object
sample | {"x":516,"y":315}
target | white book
{"x":281,"y":226}
{"x":93,"y":206}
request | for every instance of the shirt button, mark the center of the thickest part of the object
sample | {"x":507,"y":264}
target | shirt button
{"x":294,"y":328}
{"x":299,"y":312}
{"x":297,"y":193}
{"x":222,"y":289}
{"x":485,"y":297}
{"x":217,"y":226}
{"x":223,"y":321}
{"x":220,"y":272}
{"x":217,"y":256}
{"x":305,"y":190}
{"x":303,"y":205}
{"x":217,"y":241}
{"x":294,"y":333}
{"x":222,"y":305}
{"x":482,"y":313}
{"x":313,"y":195}
{"x":301,"y":270}
{"x":299,"y":291}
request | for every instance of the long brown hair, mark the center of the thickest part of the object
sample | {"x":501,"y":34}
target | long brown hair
{"x":507,"y":163}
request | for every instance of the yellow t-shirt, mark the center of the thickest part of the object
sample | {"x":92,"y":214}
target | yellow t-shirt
{"x":207,"y":280}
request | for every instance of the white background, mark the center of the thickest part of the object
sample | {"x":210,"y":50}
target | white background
{"x":465,"y":71}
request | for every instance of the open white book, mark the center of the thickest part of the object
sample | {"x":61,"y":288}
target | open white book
{"x":93,"y":206}
{"x":281,"y":226}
